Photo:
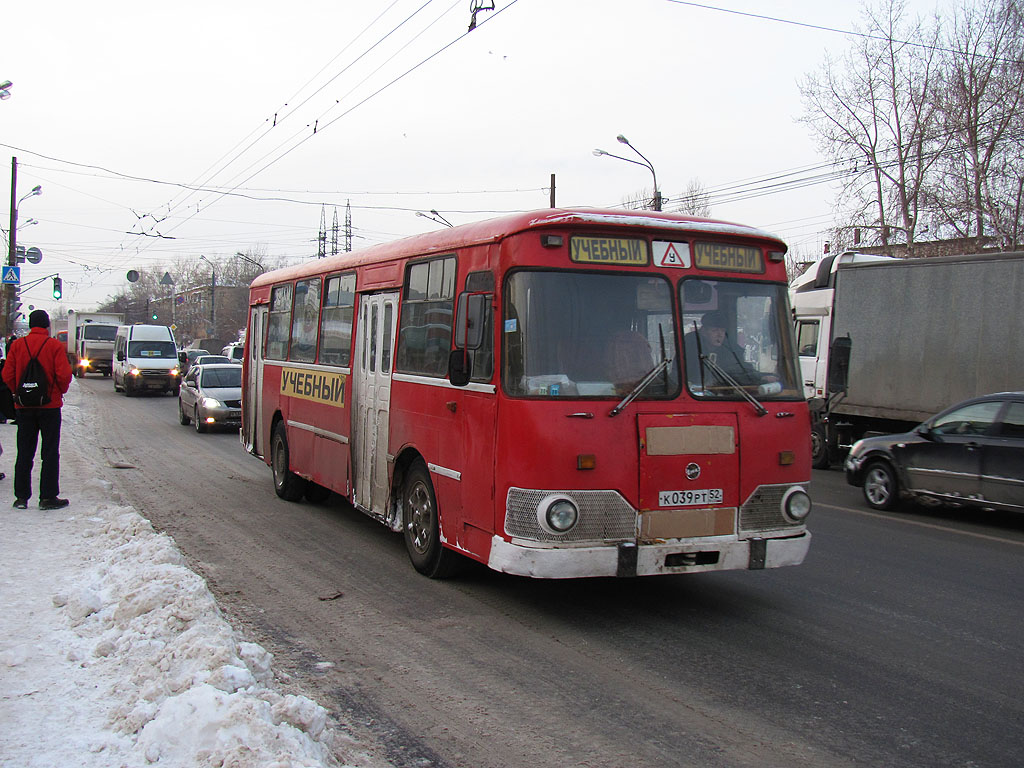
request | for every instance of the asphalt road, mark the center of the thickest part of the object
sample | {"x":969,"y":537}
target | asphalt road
{"x":897,"y":643}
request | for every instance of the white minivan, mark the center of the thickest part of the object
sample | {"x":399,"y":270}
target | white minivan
{"x":145,"y":359}
{"x":235,"y":351}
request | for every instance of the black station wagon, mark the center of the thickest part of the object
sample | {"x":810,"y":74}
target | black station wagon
{"x":971,"y":454}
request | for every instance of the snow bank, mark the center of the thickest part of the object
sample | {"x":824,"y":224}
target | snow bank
{"x":114,"y":653}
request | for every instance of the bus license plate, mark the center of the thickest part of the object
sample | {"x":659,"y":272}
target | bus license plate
{"x":695,"y":498}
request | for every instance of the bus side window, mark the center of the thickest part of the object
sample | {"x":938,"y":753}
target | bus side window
{"x":336,"y":320}
{"x":425,"y":334}
{"x":306,"y":320}
{"x":279,"y":322}
{"x":483,"y":358}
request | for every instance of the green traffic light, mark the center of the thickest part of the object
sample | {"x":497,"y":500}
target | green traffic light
{"x":58,"y":288}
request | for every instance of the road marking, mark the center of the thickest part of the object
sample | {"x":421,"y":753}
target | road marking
{"x":920,"y":524}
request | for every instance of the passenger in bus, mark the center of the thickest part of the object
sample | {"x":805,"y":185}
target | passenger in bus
{"x":627,"y":360}
{"x":713,"y":341}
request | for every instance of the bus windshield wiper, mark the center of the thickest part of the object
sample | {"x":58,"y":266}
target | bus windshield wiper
{"x":643,"y":383}
{"x":761,"y":410}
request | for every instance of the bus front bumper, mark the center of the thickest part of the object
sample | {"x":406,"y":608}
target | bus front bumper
{"x":712,"y":553}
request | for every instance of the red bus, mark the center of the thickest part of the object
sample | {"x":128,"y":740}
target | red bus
{"x":562,"y":393}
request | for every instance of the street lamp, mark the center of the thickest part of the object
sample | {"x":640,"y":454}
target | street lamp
{"x":213,"y":295}
{"x":5,"y":89}
{"x":255,"y":263}
{"x":656,"y":203}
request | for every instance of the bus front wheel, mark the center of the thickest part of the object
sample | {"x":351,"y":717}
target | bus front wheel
{"x":287,"y":484}
{"x":422,"y":527}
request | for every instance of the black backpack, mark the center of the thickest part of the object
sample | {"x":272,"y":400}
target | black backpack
{"x":34,"y":388}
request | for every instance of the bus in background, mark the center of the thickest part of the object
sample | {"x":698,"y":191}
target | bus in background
{"x":563,"y":393}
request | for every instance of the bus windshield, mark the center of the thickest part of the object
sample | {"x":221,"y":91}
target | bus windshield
{"x":736,"y":335}
{"x":578,"y":334}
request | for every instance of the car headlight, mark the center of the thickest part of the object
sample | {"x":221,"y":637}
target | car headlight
{"x":210,"y":402}
{"x":173,"y":371}
{"x":84,"y":362}
{"x":796,"y":504}
{"x":557,"y":514}
{"x":134,"y":371}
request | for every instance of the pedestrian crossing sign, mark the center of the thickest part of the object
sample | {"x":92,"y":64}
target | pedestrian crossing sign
{"x":11,"y":275}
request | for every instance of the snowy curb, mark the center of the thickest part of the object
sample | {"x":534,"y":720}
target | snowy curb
{"x":192,"y":684}
{"x":114,"y":653}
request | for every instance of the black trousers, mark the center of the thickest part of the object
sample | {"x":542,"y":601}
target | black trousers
{"x":33,"y":423}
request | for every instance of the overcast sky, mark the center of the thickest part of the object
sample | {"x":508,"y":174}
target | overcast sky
{"x":160,"y":132}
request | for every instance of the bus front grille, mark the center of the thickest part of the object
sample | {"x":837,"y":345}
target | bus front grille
{"x":604,"y":516}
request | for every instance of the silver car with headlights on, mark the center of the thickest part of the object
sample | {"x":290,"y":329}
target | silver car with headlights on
{"x":211,"y":396}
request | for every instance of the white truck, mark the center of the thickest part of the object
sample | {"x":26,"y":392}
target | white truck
{"x":91,"y":341}
{"x":885,"y":343}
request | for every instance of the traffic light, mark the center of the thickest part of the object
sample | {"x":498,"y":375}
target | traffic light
{"x":58,"y":288}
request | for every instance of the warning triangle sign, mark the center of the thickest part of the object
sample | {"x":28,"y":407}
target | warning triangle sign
{"x":672,"y":255}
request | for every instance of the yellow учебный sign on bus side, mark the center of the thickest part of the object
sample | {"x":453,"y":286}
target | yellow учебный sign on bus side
{"x":318,"y":386}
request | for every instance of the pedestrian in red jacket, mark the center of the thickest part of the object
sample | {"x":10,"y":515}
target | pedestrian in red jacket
{"x":41,"y":421}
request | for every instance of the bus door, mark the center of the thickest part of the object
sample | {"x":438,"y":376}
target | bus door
{"x":371,"y":370}
{"x":253,"y":405}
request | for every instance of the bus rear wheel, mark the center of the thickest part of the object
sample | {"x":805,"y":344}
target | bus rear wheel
{"x":287,"y":484}
{"x":421,"y":526}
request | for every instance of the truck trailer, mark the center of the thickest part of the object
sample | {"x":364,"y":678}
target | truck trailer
{"x":91,"y":341}
{"x":903,"y":339}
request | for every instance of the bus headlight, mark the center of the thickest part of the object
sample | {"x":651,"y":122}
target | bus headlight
{"x":796,"y":504}
{"x":84,"y":362}
{"x":134,"y":371}
{"x":557,"y":514}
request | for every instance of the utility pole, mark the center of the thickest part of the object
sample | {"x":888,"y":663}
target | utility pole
{"x":334,"y":234}
{"x":348,"y":226}
{"x":12,"y":242}
{"x":552,"y":190}
{"x":321,"y":238}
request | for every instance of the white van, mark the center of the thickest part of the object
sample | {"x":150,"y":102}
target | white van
{"x":145,"y":359}
{"x":235,"y":352}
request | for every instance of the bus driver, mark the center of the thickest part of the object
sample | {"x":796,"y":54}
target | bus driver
{"x":713,"y":342}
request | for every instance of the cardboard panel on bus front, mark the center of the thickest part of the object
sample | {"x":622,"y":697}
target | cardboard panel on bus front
{"x":689,"y":475}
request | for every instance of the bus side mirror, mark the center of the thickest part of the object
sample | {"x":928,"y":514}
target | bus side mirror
{"x":839,"y":364}
{"x":120,"y":357}
{"x":182,"y":358}
{"x":469,"y":320}
{"x":459,"y":367}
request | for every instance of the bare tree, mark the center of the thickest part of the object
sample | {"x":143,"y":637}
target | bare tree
{"x":977,"y":192}
{"x":639,"y":201}
{"x":695,"y":200}
{"x":874,"y":111}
